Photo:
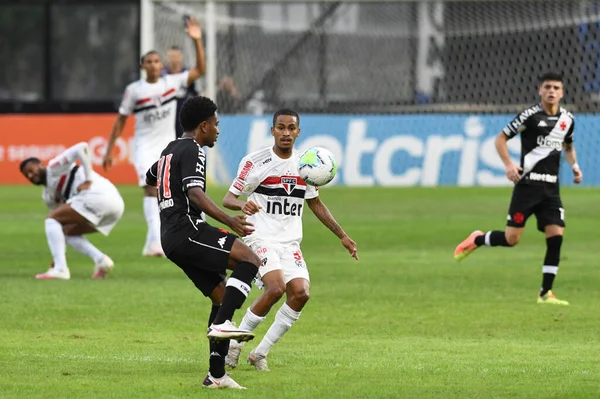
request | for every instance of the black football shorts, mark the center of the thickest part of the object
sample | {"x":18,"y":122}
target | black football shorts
{"x":203,"y":255}
{"x":541,"y":200}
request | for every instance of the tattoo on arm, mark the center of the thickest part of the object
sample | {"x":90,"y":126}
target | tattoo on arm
{"x":322,"y":213}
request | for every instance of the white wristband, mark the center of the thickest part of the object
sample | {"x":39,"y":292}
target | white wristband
{"x":575,"y":166}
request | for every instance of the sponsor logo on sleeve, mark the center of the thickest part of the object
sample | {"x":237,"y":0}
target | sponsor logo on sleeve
{"x":245,"y":170}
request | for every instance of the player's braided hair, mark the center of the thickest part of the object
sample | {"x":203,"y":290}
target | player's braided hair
{"x":26,"y":161}
{"x":285,"y":111}
{"x":196,"y":110}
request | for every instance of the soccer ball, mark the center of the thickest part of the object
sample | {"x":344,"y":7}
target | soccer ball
{"x":317,"y":166}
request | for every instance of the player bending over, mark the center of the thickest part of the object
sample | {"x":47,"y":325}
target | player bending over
{"x":276,"y":193}
{"x":80,"y":202}
{"x":153,"y":101}
{"x":545,"y":130}
{"x":202,"y":251}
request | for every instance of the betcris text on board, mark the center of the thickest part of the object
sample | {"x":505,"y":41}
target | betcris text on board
{"x":398,"y":150}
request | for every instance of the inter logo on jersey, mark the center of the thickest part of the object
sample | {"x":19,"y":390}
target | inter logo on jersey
{"x":288,"y":183}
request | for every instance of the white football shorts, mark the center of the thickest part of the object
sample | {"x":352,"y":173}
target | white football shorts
{"x":285,"y":257}
{"x":143,"y":158}
{"x":102,"y":209}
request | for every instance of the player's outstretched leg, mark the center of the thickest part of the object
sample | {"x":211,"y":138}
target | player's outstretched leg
{"x":496,"y":238}
{"x":467,"y":246}
{"x":245,"y":264}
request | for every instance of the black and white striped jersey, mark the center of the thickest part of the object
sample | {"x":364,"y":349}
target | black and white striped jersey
{"x":542,"y":138}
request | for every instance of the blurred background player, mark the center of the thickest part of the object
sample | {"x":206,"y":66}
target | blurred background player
{"x":262,"y":175}
{"x":202,"y":251}
{"x":81,"y":202}
{"x":174,"y":66}
{"x":545,"y":129}
{"x":153,"y":101}
{"x":228,"y":97}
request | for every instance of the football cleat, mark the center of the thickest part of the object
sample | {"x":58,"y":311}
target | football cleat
{"x":153,"y":250}
{"x":54,"y":274}
{"x":465,"y":248}
{"x":228,"y":330}
{"x":550,"y":299}
{"x":224,"y":382}
{"x":233,"y":354}
{"x":104,"y":267}
{"x":258,"y":361}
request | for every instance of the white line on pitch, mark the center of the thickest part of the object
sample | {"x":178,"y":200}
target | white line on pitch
{"x":110,"y":358}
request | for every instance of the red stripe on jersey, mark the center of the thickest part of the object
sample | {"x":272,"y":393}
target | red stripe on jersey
{"x":277,"y":180}
{"x":168,"y":92}
{"x":59,"y":188}
{"x":143,"y":100}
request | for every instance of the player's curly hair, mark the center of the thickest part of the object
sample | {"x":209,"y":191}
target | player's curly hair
{"x":26,"y":161}
{"x":196,"y":110}
{"x":285,"y":111}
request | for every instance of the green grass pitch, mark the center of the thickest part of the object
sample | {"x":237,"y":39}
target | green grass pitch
{"x":406,"y":321}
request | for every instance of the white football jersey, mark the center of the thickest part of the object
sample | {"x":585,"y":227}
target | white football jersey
{"x":155,"y":108}
{"x":62,"y":180}
{"x":275,"y":185}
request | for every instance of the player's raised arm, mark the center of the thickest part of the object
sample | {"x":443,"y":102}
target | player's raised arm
{"x":194,"y":31}
{"x":79,"y":152}
{"x":324,"y":215}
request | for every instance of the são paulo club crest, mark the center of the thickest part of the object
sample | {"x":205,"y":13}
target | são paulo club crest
{"x":288,"y":183}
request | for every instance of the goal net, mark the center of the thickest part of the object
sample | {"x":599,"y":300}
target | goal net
{"x":394,"y":58}
{"x":364,"y":57}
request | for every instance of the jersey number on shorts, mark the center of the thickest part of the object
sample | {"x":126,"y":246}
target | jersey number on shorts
{"x":164,"y":175}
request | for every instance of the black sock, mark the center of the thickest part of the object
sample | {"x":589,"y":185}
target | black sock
{"x":213,"y":313}
{"x":236,"y":290}
{"x":218,"y":349}
{"x":497,"y":239}
{"x":551,"y":261}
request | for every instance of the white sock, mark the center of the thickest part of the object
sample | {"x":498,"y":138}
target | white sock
{"x":284,"y":319}
{"x":56,"y":242}
{"x":82,"y":245}
{"x":152,"y":215}
{"x":249,"y":323}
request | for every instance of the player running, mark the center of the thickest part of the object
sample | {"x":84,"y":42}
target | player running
{"x":80,"y":202}
{"x":154,"y":103}
{"x":545,"y":130}
{"x":276,"y":193}
{"x":202,"y":251}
